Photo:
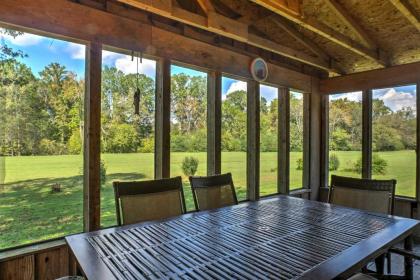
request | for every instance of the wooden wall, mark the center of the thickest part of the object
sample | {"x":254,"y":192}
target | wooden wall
{"x":45,"y":264}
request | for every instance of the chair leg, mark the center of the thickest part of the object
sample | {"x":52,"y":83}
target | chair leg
{"x":388,"y":263}
{"x":408,"y":261}
{"x":380,"y":265}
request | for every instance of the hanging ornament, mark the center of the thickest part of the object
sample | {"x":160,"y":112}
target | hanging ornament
{"x":137,"y":92}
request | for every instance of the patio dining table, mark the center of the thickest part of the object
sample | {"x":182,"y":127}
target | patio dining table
{"x":280,"y":237}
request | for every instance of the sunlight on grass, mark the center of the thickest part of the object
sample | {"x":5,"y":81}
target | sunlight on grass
{"x":30,"y":211}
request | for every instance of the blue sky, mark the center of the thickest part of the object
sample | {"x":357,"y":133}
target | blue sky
{"x":395,"y":98}
{"x":42,"y":51}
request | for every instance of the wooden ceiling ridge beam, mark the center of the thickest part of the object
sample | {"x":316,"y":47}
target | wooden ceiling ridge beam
{"x":343,"y":14}
{"x":408,"y":11}
{"x":227,"y":27}
{"x":326,"y":32}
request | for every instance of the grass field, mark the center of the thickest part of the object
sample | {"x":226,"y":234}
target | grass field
{"x":30,"y":211}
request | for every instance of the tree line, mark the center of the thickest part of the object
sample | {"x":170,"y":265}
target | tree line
{"x":42,"y":113}
{"x":392,"y":130}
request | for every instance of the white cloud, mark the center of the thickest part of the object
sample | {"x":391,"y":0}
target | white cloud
{"x":351,"y":96}
{"x":235,"y":86}
{"x":25,"y":39}
{"x":396,"y":100}
{"x":147,"y":67}
{"x":269,"y":93}
{"x":76,"y":51}
{"x":128,"y":65}
{"x":110,"y":57}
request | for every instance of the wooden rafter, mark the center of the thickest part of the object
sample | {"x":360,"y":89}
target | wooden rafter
{"x":206,"y":6}
{"x":342,"y":13}
{"x":288,"y":6}
{"x":408,"y":11}
{"x":228,"y":27}
{"x":324,"y":31}
{"x":298,"y":36}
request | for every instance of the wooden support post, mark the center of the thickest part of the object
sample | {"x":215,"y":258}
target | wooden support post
{"x":253,"y":139}
{"x":214,"y":122}
{"x":367,"y":134}
{"x":92,"y":134}
{"x":283,"y":156}
{"x":315,"y":149}
{"x":163,"y":119}
{"x":418,"y":149}
{"x":324,"y":156}
{"x":306,"y":140}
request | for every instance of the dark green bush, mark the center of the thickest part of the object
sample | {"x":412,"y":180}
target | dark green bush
{"x":103,"y":173}
{"x":379,"y":165}
{"x":299,"y":164}
{"x":189,"y":166}
{"x":334,"y":162}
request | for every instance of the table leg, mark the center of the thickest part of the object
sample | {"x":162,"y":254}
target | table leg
{"x":408,"y":261}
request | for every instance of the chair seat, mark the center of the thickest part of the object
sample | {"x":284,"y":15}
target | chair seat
{"x":361,"y":276}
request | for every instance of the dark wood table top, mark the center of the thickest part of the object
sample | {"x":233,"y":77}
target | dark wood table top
{"x":276,"y":238}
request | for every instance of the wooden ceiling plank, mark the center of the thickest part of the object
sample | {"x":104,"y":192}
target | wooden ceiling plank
{"x":342,"y":13}
{"x":230,"y":28}
{"x":324,"y":31}
{"x":206,"y":6}
{"x":408,"y":11}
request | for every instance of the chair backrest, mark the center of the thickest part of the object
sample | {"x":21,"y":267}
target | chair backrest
{"x":213,"y":192}
{"x":141,"y":201}
{"x":366,"y":194}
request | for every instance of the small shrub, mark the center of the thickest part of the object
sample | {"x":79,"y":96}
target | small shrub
{"x":299,"y":164}
{"x":56,"y":188}
{"x":378,"y":165}
{"x":148,"y":145}
{"x":334,"y":162}
{"x":51,"y":147}
{"x":74,"y":145}
{"x":103,"y":172}
{"x":189,"y":166}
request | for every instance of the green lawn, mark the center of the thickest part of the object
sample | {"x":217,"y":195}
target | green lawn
{"x":30,"y":211}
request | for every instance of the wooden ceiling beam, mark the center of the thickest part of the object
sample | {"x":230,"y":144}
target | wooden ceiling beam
{"x":380,"y":78}
{"x":325,"y":31}
{"x":298,"y":36}
{"x":408,"y":11}
{"x":227,"y":27}
{"x":206,"y":6}
{"x":351,"y":23}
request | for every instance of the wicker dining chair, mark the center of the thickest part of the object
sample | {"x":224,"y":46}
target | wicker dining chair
{"x":141,"y":201}
{"x":365,"y":194}
{"x":213,"y":192}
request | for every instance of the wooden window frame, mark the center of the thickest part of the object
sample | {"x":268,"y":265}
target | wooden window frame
{"x":367,"y":124}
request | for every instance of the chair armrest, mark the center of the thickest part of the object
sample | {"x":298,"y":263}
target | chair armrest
{"x":404,"y":253}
